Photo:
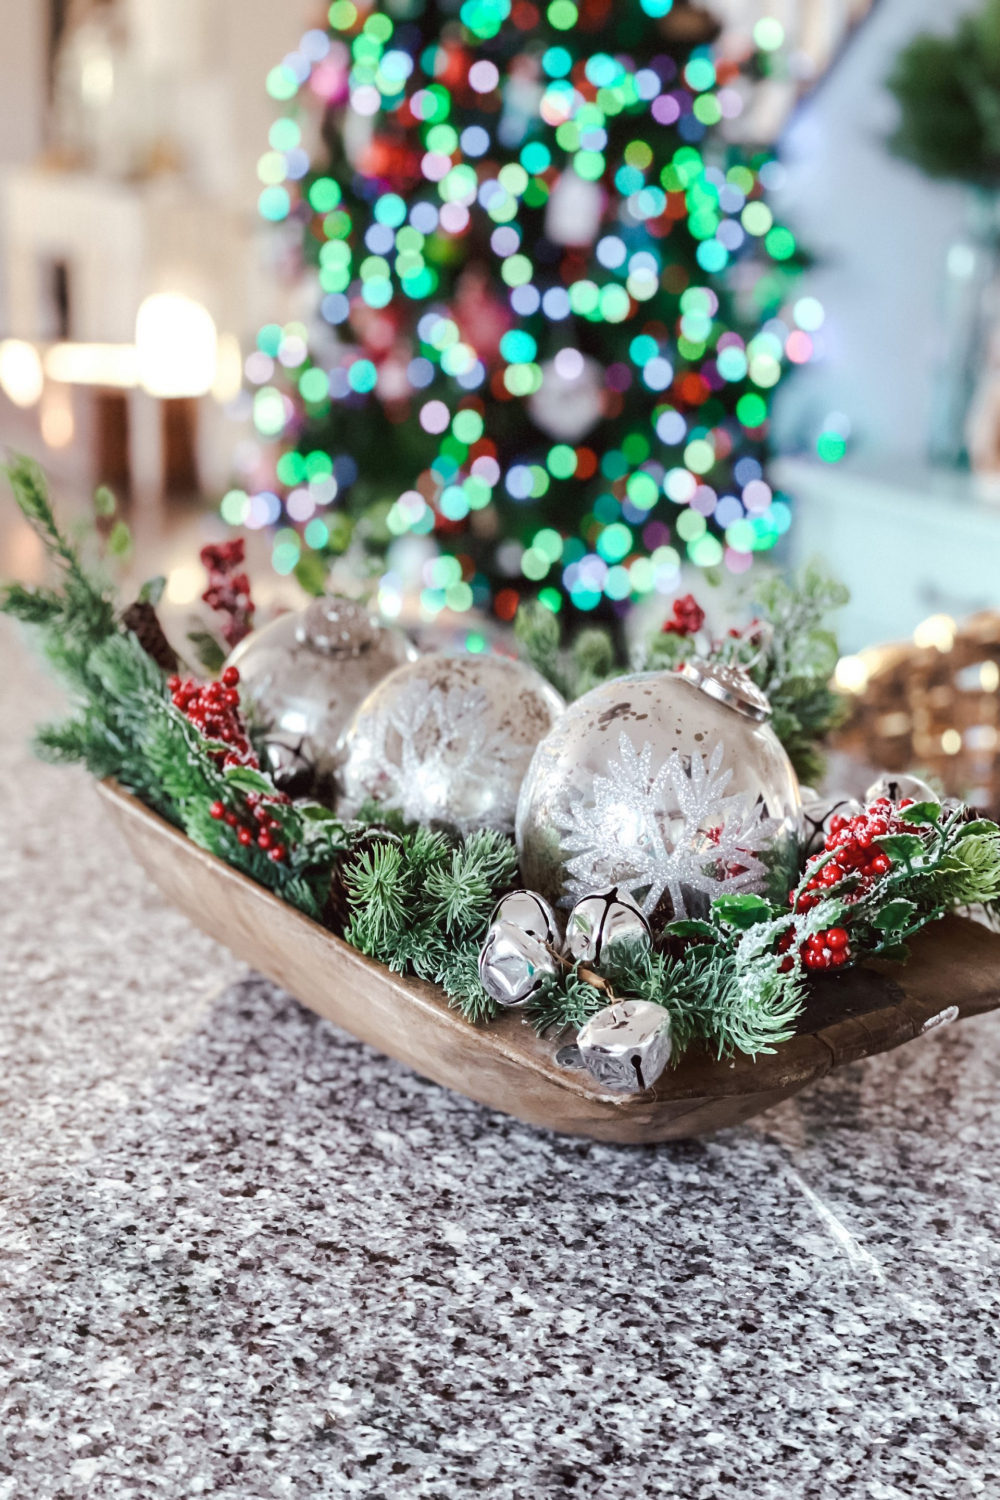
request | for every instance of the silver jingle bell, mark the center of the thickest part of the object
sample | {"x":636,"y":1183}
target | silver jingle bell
{"x":626,"y":1046}
{"x":900,"y":788}
{"x":602,"y":923}
{"x":818,"y":813}
{"x":513,"y":965}
{"x":529,"y":912}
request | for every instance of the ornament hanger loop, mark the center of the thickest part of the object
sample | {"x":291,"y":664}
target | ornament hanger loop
{"x":727,"y":684}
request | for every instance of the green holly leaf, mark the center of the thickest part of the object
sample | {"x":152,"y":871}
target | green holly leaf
{"x":921,"y":812}
{"x":315,"y":812}
{"x":248,"y":780}
{"x":742,"y":911}
{"x":208,"y":650}
{"x":692,"y":928}
{"x":901,"y":848}
{"x":894,"y":916}
{"x":896,"y":953}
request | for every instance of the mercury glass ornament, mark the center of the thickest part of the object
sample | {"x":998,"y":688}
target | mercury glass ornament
{"x":626,"y":1046}
{"x":514,"y":964}
{"x":446,"y":741}
{"x":899,"y":788}
{"x":305,"y":674}
{"x":669,"y":785}
{"x":817,"y":814}
{"x":602,"y":923}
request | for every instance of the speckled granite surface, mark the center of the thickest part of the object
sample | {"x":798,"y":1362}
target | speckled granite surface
{"x":244,"y":1256}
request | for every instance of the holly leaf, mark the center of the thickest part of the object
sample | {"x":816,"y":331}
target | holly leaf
{"x":896,"y":953}
{"x":210,"y":654}
{"x":248,"y":780}
{"x":691,"y":928}
{"x":902,"y":848}
{"x":315,"y":812}
{"x":921,"y":812}
{"x":742,"y":911}
{"x":894,"y":916}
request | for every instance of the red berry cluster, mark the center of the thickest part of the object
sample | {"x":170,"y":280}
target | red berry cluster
{"x":687,"y":619}
{"x":854,"y":844}
{"x":266,"y":835}
{"x":823,"y":950}
{"x":214,"y":708}
{"x":229,"y":591}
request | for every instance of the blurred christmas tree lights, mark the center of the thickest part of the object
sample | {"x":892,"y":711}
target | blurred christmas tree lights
{"x":551,"y":305}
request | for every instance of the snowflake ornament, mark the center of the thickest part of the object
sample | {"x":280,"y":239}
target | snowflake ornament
{"x":675,"y":831}
{"x":446,"y":740}
{"x":442,"y":742}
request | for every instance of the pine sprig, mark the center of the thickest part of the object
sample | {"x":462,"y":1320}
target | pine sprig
{"x":422,"y":904}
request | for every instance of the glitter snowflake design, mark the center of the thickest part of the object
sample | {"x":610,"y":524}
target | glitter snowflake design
{"x":450,"y":764}
{"x":677,"y":831}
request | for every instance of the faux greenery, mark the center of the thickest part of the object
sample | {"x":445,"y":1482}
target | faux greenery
{"x":948,"y":90}
{"x":421,"y":902}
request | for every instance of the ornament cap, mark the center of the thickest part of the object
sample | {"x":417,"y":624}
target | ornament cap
{"x":729,"y":685}
{"x":338,"y":627}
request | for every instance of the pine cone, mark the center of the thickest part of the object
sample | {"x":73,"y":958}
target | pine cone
{"x":141,"y":619}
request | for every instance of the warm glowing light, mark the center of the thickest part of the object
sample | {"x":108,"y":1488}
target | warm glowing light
{"x":21,"y":378}
{"x":176,"y":346}
{"x":57,"y":421}
{"x":937,"y":631}
{"x":184,"y":584}
{"x":951,"y":742}
{"x":851,"y":675}
{"x":92,"y":364}
{"x":229,"y":369}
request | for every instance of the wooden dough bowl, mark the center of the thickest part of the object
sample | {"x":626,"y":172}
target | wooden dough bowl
{"x":954,"y":971}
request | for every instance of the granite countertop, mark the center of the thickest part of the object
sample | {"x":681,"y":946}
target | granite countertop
{"x":245,"y":1256}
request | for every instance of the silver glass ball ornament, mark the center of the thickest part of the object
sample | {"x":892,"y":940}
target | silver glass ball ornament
{"x":603,"y":924}
{"x":898,"y":787}
{"x":818,"y":813}
{"x":627,"y":1045}
{"x":514,"y":964}
{"x":304,"y":674}
{"x":669,"y":785}
{"x":446,"y":741}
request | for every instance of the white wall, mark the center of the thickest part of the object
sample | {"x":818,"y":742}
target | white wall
{"x":880,"y":233}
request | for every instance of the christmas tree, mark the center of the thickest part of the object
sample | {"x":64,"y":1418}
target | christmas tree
{"x":547,"y":288}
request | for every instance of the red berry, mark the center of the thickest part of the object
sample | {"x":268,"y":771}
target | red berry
{"x":277,"y":853}
{"x":245,"y":836}
{"x":837,"y":937}
{"x":880,"y":864}
{"x":232,"y":819}
{"x":264,"y":839}
{"x":231,"y":677}
{"x":217,"y":811}
{"x":838,"y":957}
